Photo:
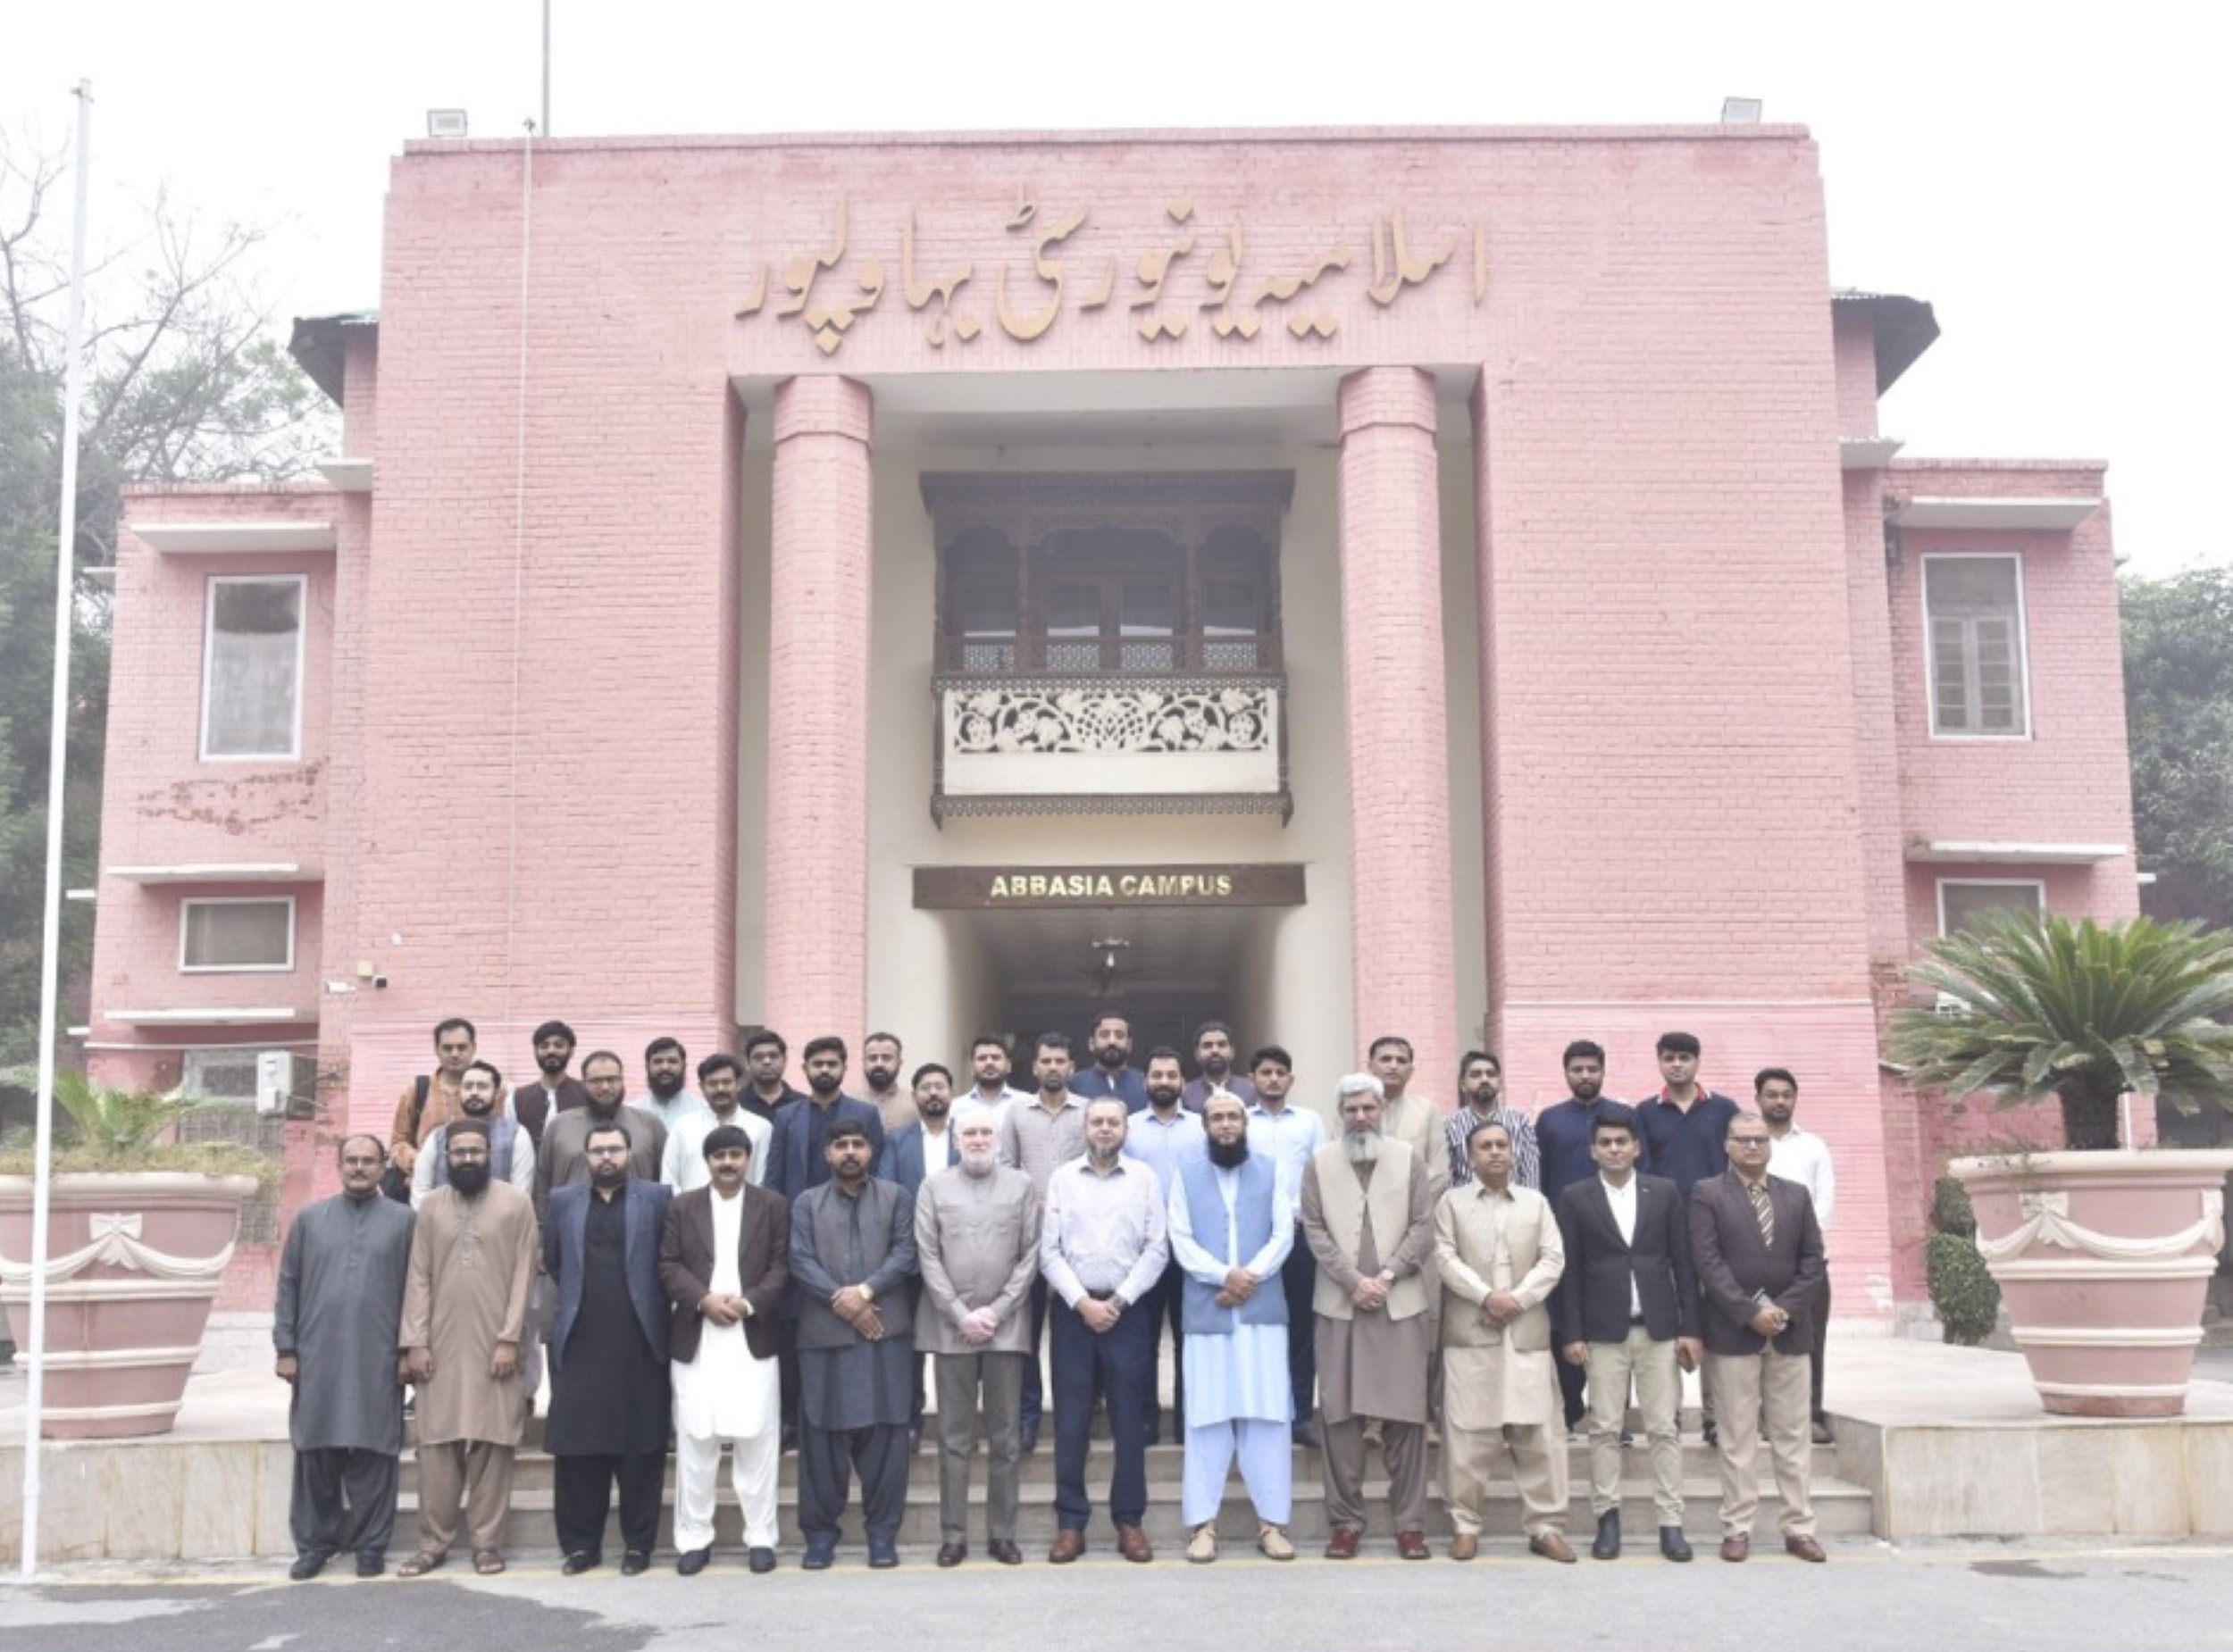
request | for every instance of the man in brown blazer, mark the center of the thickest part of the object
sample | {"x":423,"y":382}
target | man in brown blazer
{"x":1759,"y":1254}
{"x":724,"y":1260}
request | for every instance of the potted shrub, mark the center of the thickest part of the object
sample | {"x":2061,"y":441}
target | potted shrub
{"x":140,"y":1228}
{"x":2104,"y":1253}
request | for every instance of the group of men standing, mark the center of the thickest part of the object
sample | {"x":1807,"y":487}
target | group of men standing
{"x":755,"y":1266}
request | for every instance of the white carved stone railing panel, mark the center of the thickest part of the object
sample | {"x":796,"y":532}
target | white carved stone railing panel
{"x":1171,"y":738}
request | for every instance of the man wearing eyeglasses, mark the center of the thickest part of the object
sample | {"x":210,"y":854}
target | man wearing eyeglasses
{"x":564,"y":1160}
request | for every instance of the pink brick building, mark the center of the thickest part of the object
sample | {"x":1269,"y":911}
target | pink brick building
{"x":1445,"y":583}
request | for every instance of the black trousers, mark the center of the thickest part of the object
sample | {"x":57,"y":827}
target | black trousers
{"x":1164,"y":1304}
{"x":827,"y":1460}
{"x":1034,"y":1381}
{"x":1572,"y":1380}
{"x":344,"y":1499}
{"x":1821,"y":1342}
{"x":1298,"y":1282}
{"x":582,"y":1497}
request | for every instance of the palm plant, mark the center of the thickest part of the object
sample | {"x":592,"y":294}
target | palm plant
{"x":2033,"y":1006}
{"x":128,"y":1130}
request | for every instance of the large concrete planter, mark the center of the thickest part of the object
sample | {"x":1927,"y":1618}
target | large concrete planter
{"x":2104,"y":1260}
{"x":133,"y":1264}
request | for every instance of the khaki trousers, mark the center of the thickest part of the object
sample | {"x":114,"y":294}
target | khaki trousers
{"x":1539,"y":1472}
{"x":475,"y":1473}
{"x":1403,"y":1445}
{"x":1771,"y":1390}
{"x":1650,"y":1366}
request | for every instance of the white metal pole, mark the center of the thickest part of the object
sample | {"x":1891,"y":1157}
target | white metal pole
{"x":546,"y":126}
{"x":58,"y":736}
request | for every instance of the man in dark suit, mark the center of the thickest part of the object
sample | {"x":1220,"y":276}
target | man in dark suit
{"x":798,"y":1161}
{"x":724,"y":1260}
{"x":1628,"y":1310}
{"x":608,"y":1354}
{"x":1758,"y":1251}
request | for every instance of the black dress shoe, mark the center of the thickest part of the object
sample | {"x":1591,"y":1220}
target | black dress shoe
{"x":952,"y":1554}
{"x":309,"y":1566}
{"x":883,"y":1554}
{"x":635,"y":1563}
{"x":1608,"y":1544}
{"x":1004,"y":1551}
{"x":1712,"y":1433}
{"x":370,"y":1563}
{"x":1673,"y":1544}
{"x":760,"y":1559}
{"x":1027,"y":1439}
{"x":579,"y":1562}
{"x":690,"y":1561}
{"x":820,"y":1553}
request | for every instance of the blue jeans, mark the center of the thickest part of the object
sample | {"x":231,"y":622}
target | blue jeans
{"x":1120,"y":1362}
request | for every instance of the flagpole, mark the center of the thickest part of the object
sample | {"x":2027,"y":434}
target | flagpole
{"x":57,"y":762}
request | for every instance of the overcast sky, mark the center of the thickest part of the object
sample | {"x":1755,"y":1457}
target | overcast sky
{"x":2051,"y":177}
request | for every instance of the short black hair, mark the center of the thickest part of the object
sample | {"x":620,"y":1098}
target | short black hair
{"x":766,"y":1035}
{"x":1496,"y":1063}
{"x":891,"y":1039}
{"x":997,"y":1040}
{"x":724,"y":1136}
{"x":555,"y":1030}
{"x":828,"y":1044}
{"x":594,"y":1056}
{"x":1385,"y":1039}
{"x":1760,"y":1079}
{"x":452,"y":1025}
{"x":1272,"y":1053}
{"x":1162,"y":1052}
{"x":1613,"y":1115}
{"x":844,"y":1129}
{"x":489,"y":1067}
{"x":720,"y":1060}
{"x":610,"y":1127}
{"x":1052,"y":1041}
{"x":1583,"y":1049}
{"x":916,"y":1078}
{"x":661,"y":1045}
{"x":1679,"y":1044}
{"x":1209,"y":1027}
{"x":1487,"y":1125}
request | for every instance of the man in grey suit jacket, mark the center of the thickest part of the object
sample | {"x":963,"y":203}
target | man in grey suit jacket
{"x":1758,"y":1251}
{"x":976,"y":1241}
{"x":1629,"y":1310}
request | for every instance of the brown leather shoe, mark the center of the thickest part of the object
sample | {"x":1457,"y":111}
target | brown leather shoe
{"x":1465,"y":1545}
{"x":1738,"y":1546}
{"x":1132,"y":1543}
{"x":1340,"y":1543}
{"x":1068,"y":1545}
{"x":1804,"y":1546}
{"x":1411,"y":1545}
{"x":1551,"y":1546}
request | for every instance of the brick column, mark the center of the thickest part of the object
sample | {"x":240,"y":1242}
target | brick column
{"x":817,"y":897}
{"x":1399,"y":734}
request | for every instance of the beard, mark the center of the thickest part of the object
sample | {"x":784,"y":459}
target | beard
{"x":823,"y":1085}
{"x":1215,"y":1067}
{"x":608,"y":1174}
{"x":1165,"y":1098}
{"x":1111,"y":1057}
{"x":666,"y":1086}
{"x":1103,"y":1157}
{"x":554,"y":1063}
{"x":471,"y":1180}
{"x":1229,"y":1154}
{"x":979,"y":1164}
{"x":1362,"y":1146}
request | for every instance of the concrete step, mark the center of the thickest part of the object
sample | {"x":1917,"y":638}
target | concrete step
{"x":1166,"y":1465}
{"x":1841,"y":1510}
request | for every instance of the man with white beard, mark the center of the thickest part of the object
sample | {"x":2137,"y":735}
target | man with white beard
{"x":1368,"y":1213}
{"x":976,"y":1245}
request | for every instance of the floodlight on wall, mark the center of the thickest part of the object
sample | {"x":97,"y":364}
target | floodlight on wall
{"x":450,"y":122}
{"x":1741,"y":111}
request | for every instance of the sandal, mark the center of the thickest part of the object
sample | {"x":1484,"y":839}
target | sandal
{"x":488,"y":1562}
{"x":420,"y":1564}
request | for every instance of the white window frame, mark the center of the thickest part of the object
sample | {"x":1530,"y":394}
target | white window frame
{"x":1930,"y":647}
{"x":2039,"y":886}
{"x":301,"y":582}
{"x":187,"y":905}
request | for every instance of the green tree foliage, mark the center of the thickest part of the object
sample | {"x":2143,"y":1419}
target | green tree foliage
{"x":186,"y":382}
{"x":2179,"y":707}
{"x":2048,"y":1007}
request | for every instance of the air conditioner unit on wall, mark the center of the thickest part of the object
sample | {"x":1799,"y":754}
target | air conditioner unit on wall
{"x":285,"y":1083}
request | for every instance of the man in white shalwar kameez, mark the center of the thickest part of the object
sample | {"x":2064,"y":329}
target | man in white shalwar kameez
{"x":1230,"y":1230}
{"x":724,"y":1260}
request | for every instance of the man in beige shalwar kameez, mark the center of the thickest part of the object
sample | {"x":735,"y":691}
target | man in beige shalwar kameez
{"x":1498,"y":1250}
{"x":1368,"y":1215}
{"x":464,"y":1312}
